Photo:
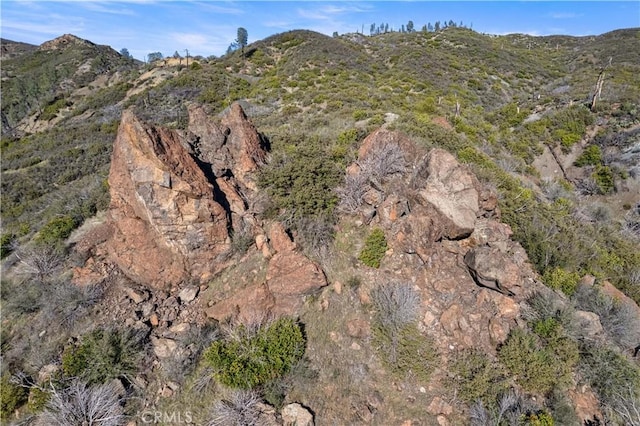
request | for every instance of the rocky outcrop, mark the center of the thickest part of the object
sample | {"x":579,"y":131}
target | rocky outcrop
{"x":169,"y":222}
{"x":231,"y":145}
{"x":64,"y":41}
{"x":444,"y":237}
{"x":177,"y":198}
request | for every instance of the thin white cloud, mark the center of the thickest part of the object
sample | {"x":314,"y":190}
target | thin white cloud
{"x":106,"y":7}
{"x":565,"y":15}
{"x":530,"y":32}
{"x":328,"y":12}
{"x":217,"y":8}
{"x":53,"y":29}
{"x":278,"y":24}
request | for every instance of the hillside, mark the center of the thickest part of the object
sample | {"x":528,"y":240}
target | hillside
{"x":407,"y":228}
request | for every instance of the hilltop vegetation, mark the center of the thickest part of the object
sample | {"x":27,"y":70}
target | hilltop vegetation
{"x":516,"y":109}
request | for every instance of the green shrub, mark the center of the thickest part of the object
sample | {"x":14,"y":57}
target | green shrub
{"x":38,"y":399}
{"x":591,"y":156}
{"x":376,"y":120}
{"x":359,"y":114}
{"x":348,"y":137}
{"x":246,"y":361}
{"x":476,"y":377}
{"x":538,"y":368}
{"x":6,"y":244}
{"x":603,"y":176}
{"x":301,"y":179}
{"x":195,"y":66}
{"x":375,"y":246}
{"x":407,"y":352}
{"x":567,"y":139}
{"x":56,"y":230}
{"x":538,"y":419}
{"x":561,"y":279}
{"x":102,"y":355}
{"x":12,"y":396}
{"x":50,"y":111}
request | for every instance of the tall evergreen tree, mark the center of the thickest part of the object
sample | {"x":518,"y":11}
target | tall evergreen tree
{"x":242,"y":39}
{"x":410,"y":27}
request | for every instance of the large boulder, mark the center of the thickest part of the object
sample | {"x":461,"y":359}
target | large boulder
{"x":168,"y":224}
{"x":452,"y":189}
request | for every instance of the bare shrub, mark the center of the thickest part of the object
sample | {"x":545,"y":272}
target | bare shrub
{"x":315,"y":234}
{"x":397,"y":305}
{"x":240,"y":408}
{"x":39,"y":262}
{"x":588,"y":186}
{"x":403,"y":349}
{"x":66,"y":302}
{"x":375,"y":168}
{"x":79,"y":404}
{"x":631,"y":224}
{"x":554,"y":190}
{"x":352,"y":192}
{"x":592,"y":213}
{"x":384,"y":162}
{"x":546,"y":304}
{"x":618,"y":319}
{"x":510,"y":164}
{"x":625,"y":403}
{"x":510,"y":408}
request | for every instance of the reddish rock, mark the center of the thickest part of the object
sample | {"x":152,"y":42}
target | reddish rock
{"x":586,"y":403}
{"x":442,"y":122}
{"x":167,"y":224}
{"x":620,"y":297}
{"x":290,"y":277}
{"x":249,"y":303}
{"x":383,"y":137}
{"x":231,"y":144}
{"x":358,"y":328}
{"x":498,"y":330}
{"x":449,"y":318}
{"x":439,"y":406}
{"x":280,"y":240}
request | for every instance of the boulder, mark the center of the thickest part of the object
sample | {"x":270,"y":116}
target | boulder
{"x":588,"y":324}
{"x":382,"y":137}
{"x":187,"y":294}
{"x":452,"y":189}
{"x":492,"y":268}
{"x":290,"y":277}
{"x":167,"y":222}
{"x":296,"y":415}
{"x":252,"y":302}
{"x":163,"y":347}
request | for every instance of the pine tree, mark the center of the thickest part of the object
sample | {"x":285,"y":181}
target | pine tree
{"x":242,"y":39}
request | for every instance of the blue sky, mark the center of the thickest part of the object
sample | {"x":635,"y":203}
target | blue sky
{"x":208,"y":27}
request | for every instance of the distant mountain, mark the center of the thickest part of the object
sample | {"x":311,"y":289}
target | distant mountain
{"x":35,"y":79}
{"x":11,"y":49}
